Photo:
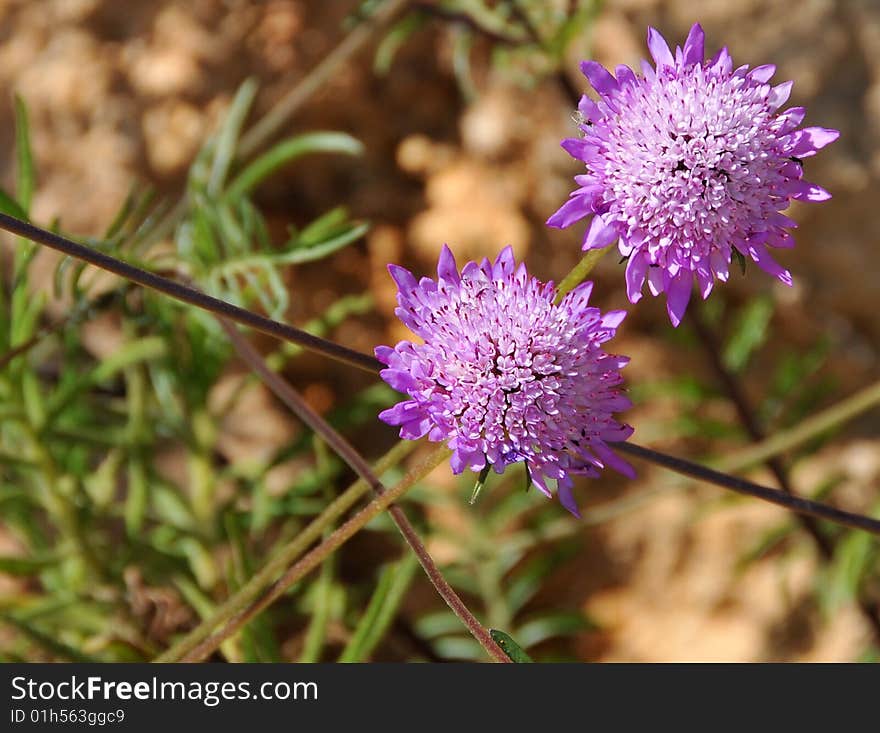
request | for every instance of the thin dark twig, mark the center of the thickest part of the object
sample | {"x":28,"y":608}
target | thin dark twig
{"x":189,"y":295}
{"x":746,"y":416}
{"x":741,"y":486}
{"x":353,"y":458}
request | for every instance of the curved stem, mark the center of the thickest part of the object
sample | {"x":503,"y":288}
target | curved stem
{"x":240,"y":315}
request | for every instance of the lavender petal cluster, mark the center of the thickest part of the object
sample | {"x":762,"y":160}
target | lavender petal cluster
{"x":504,"y":375}
{"x":688,"y":162}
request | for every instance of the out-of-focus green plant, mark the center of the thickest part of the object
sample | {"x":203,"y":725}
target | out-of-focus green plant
{"x":529,"y":39}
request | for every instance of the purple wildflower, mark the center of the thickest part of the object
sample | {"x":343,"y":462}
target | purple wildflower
{"x":506,"y":375}
{"x":687,"y":163}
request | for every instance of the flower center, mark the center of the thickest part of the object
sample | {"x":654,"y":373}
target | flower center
{"x":690,"y":162}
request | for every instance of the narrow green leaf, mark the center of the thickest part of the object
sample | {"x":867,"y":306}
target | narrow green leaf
{"x":25,"y":565}
{"x":286,"y":151}
{"x":26,"y":175}
{"x":394,"y":39}
{"x":510,"y":647}
{"x":9,"y":205}
{"x":316,"y":634}
{"x":749,"y":333}
{"x":227,"y":139}
{"x":325,"y":226}
{"x":393,"y":583}
{"x":323,"y":249}
{"x":47,"y":641}
{"x":551,"y":625}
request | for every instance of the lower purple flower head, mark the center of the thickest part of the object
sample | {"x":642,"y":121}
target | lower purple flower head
{"x":687,"y":164}
{"x":505,"y":375}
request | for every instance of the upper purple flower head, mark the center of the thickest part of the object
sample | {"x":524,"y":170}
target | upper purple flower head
{"x":686,"y":163}
{"x":506,"y":375}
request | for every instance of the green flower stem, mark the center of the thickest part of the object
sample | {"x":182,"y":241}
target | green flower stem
{"x":579,"y":272}
{"x":317,"y":631}
{"x":286,"y":556}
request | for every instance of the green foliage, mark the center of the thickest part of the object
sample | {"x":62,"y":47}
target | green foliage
{"x":530,"y":39}
{"x":81,"y":443}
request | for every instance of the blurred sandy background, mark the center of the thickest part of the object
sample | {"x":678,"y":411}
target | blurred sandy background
{"x":125,"y":90}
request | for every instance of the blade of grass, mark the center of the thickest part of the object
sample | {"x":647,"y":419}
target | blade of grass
{"x":284,"y":152}
{"x":394,"y":581}
{"x":26,"y":175}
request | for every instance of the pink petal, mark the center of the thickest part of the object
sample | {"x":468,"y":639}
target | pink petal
{"x":811,"y":139}
{"x":705,"y":281}
{"x":589,"y":109}
{"x":538,"y":481}
{"x":447,"y":269}
{"x":599,"y":234}
{"x":762,"y":74}
{"x":721,"y":62}
{"x":719,"y":262}
{"x":399,"y":413}
{"x":599,"y":77}
{"x":779,"y":94}
{"x":635,"y":277}
{"x":612,"y":319}
{"x":677,"y":296}
{"x":403,"y":277}
{"x":806,"y":191}
{"x":582,"y":292}
{"x":791,"y":118}
{"x":781,"y":220}
{"x":625,"y":75}
{"x":655,"y":280}
{"x":612,"y":460}
{"x":566,"y":498}
{"x":578,"y":148}
{"x":762,"y":257}
{"x":659,"y":49}
{"x":694,"y":46}
{"x":384,"y":354}
{"x":574,"y":209}
{"x":504,"y":263}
